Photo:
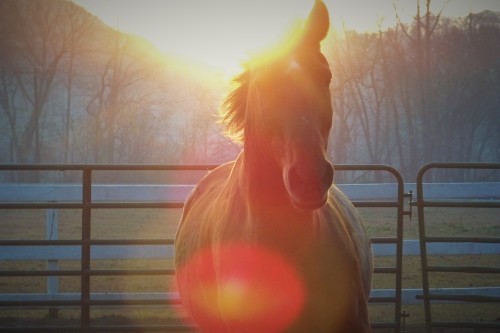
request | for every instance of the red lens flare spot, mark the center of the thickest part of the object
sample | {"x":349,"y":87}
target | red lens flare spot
{"x":252,"y":290}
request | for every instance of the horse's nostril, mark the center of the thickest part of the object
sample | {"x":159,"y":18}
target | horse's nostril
{"x":309,"y":183}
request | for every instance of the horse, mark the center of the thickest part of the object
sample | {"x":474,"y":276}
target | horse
{"x":267,"y":243}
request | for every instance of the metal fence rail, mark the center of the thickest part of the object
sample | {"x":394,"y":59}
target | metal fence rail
{"x":396,"y":240}
{"x":429,"y":295}
{"x":86,"y":301}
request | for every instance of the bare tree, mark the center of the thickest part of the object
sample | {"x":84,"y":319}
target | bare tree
{"x":417,"y":93}
{"x":37,"y":51}
{"x":118,"y":84}
{"x":78,"y":24}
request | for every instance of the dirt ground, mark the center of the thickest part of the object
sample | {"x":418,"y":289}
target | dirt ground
{"x":159,"y":223}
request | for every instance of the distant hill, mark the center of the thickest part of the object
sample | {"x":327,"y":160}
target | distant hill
{"x":74,"y":90}
{"x":77,"y":91}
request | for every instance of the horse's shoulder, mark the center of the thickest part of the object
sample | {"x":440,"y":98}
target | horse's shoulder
{"x":201,"y":200}
{"x":357,"y":233}
{"x":212,"y":182}
{"x":215,"y":177}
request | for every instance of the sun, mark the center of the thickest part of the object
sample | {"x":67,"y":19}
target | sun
{"x":217,"y":33}
{"x":222,"y":33}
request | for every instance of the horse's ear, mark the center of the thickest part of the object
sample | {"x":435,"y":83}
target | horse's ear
{"x":317,"y":24}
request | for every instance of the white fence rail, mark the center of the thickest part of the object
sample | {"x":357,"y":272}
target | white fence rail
{"x":22,"y":193}
{"x":18,"y":193}
{"x":108,"y":252}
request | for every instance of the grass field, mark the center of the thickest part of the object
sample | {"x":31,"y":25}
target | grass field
{"x":162,"y":223}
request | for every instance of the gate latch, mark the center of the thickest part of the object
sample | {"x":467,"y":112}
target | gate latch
{"x":408,"y":212}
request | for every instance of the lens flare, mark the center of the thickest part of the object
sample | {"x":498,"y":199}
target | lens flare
{"x":245,"y":288}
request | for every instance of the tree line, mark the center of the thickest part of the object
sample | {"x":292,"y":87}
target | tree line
{"x":73,"y":90}
{"x":418,"y":93}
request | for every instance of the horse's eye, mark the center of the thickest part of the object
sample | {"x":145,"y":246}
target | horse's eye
{"x":323,"y":75}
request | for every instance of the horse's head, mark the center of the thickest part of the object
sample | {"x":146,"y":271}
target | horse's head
{"x":282,"y":109}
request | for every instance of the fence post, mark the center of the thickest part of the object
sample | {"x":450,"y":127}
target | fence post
{"x":52,"y":233}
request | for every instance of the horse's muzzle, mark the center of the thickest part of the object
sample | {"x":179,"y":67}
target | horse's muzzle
{"x":308,"y":187}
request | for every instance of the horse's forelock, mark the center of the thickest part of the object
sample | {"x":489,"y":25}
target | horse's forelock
{"x":232,"y":115}
{"x":233,"y":110}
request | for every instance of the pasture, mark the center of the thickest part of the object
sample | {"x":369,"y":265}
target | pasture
{"x":162,"y":223}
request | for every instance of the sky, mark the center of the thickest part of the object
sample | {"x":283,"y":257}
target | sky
{"x":221,"y":33}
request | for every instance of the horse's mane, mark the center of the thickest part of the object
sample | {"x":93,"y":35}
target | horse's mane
{"x":233,"y":109}
{"x":232,"y":113}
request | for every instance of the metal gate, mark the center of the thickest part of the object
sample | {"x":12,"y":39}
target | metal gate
{"x":435,"y":295}
{"x":85,"y":302}
{"x":396,"y":240}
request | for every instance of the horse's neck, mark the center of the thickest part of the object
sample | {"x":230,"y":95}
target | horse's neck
{"x":261,"y":180}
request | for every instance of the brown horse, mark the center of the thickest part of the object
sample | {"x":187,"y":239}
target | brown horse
{"x":266,"y":243}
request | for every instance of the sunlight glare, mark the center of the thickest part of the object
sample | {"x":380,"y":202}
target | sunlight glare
{"x":222,"y":33}
{"x":254,"y":289}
